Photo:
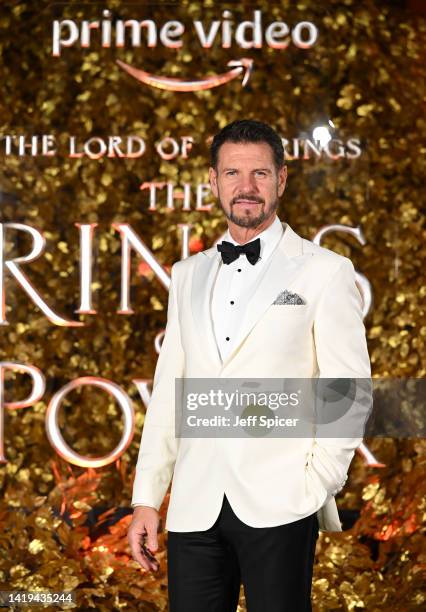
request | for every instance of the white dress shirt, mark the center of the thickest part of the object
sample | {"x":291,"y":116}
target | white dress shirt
{"x":235,"y":284}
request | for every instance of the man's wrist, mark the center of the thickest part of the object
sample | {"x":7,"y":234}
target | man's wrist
{"x":143,"y":506}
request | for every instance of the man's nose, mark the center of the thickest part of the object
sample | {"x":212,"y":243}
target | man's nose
{"x":247,"y":183}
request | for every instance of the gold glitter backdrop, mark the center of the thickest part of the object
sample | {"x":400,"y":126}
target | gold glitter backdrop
{"x":64,"y":527}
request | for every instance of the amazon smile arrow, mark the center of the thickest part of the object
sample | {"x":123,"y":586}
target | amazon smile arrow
{"x":243,"y":65}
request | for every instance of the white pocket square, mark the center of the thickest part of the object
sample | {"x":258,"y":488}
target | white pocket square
{"x":285,"y":297}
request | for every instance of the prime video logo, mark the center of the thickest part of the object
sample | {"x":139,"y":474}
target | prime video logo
{"x":225,"y":32}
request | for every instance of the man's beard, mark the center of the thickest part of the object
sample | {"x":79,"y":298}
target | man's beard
{"x":244,"y":220}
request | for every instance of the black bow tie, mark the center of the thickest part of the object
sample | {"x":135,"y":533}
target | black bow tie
{"x":231,"y":251}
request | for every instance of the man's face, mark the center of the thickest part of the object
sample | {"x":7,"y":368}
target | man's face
{"x":247,"y":183}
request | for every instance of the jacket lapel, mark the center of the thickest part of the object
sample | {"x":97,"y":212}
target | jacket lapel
{"x":202,"y":286}
{"x":282,"y":269}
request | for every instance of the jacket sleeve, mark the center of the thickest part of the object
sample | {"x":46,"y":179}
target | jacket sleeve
{"x":159,"y":445}
{"x":341,"y":350}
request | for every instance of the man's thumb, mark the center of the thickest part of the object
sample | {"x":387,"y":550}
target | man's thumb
{"x":152,"y":542}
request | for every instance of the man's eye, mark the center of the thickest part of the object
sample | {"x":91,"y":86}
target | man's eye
{"x":261,"y":172}
{"x":230,"y":172}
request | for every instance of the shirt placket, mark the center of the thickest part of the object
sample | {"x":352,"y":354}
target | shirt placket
{"x":234,"y":302}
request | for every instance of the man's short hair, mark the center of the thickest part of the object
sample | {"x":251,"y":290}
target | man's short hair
{"x":248,"y":131}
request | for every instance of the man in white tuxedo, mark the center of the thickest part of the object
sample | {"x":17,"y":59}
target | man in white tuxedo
{"x":262,"y":303}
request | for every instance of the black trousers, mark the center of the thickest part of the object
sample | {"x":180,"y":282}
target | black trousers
{"x":206,"y":568}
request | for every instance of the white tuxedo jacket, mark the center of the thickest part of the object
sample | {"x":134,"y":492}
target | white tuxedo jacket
{"x":270,"y":481}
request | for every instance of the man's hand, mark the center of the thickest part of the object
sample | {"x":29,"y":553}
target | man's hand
{"x":144,"y":524}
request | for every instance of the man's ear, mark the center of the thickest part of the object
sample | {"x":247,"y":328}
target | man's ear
{"x":213,"y":181}
{"x":282,"y":179}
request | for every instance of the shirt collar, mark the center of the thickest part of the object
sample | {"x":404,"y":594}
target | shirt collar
{"x":269,"y":238}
